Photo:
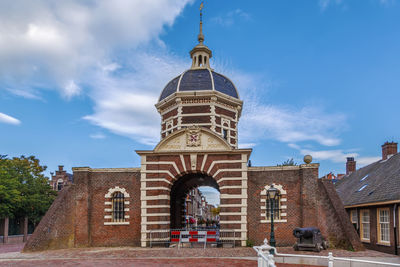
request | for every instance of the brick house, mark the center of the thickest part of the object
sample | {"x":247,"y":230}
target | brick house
{"x":60,"y":178}
{"x":200,"y":110}
{"x":371,"y":196}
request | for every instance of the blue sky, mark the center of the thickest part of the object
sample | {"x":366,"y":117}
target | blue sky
{"x":79,"y":79}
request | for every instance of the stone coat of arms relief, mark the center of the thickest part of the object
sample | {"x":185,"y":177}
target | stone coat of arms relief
{"x":193,"y":137}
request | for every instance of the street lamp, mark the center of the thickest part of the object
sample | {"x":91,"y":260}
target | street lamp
{"x":272,"y":194}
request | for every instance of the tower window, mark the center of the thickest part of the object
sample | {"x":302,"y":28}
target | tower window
{"x":225,"y":134}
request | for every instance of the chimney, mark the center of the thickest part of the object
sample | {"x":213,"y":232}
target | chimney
{"x":388,"y":150}
{"x":350,"y":165}
{"x":60,"y":168}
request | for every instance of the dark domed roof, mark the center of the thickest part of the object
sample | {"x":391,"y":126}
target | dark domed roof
{"x":200,"y":80}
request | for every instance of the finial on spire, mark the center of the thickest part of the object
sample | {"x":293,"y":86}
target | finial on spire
{"x":201,"y":54}
{"x":200,"y":37}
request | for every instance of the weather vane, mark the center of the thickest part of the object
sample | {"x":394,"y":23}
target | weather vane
{"x":201,"y":36}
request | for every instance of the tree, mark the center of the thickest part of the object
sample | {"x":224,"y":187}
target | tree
{"x":288,"y":162}
{"x":24,"y":190}
{"x":10,"y":196}
{"x":215,"y":211}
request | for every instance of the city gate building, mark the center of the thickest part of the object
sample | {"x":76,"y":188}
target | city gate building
{"x":200,"y":111}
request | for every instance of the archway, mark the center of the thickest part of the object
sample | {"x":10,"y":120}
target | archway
{"x":179,"y":191}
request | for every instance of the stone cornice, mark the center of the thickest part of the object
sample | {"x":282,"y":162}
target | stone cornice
{"x":88,"y":169}
{"x":285,"y":168}
{"x":187,"y":152}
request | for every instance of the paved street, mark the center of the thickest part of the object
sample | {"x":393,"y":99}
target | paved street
{"x":10,"y":255}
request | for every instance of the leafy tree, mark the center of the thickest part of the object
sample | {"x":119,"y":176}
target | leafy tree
{"x":215,"y":211}
{"x":10,"y":196}
{"x":24,"y":190}
{"x":288,"y":162}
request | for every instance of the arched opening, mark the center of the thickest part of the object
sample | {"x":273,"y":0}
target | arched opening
{"x":194,"y":201}
{"x":200,"y":61}
{"x":60,"y":184}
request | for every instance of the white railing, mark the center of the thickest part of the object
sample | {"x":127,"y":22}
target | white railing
{"x":266,"y":259}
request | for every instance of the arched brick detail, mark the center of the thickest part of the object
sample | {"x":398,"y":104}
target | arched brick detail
{"x":109,"y":209}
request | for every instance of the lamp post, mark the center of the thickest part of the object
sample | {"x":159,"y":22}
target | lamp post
{"x":272,"y":193}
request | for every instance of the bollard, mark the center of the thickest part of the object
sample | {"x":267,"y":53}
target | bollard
{"x":330,"y":259}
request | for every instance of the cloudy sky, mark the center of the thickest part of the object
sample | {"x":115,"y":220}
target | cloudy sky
{"x":79,"y":79}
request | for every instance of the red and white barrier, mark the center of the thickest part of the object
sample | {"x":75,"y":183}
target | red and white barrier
{"x":194,"y":237}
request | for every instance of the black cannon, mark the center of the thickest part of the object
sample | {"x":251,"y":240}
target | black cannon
{"x":309,"y":239}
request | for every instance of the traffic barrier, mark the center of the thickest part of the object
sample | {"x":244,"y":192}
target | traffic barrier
{"x":167,"y":237}
{"x":194,"y":237}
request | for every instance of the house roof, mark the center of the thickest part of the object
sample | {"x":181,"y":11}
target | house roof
{"x":377,"y":182}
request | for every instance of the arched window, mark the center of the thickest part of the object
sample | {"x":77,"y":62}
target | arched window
{"x":280,"y":206}
{"x":118,"y":207}
{"x":116,"y":211}
{"x":276,"y":205}
{"x":225,"y":128}
{"x":225,"y":134}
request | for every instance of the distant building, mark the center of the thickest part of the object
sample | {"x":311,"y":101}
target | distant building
{"x":197,"y":208}
{"x":60,"y":179}
{"x":371,"y":196}
{"x":334,"y":178}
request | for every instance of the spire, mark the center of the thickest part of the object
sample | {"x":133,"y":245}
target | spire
{"x":200,"y":37}
{"x":200,"y":54}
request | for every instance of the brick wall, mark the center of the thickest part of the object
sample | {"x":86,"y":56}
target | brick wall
{"x":309,"y":203}
{"x":76,"y":218}
{"x":114,"y":235}
{"x":290,"y":181}
{"x":56,"y":229}
{"x":334,"y":222}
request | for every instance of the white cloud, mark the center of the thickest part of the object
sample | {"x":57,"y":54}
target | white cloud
{"x":287,"y":124}
{"x":97,"y":136}
{"x":362,"y":161}
{"x":231,"y":17}
{"x":211,"y":194}
{"x":43,"y":45}
{"x":335,"y":155}
{"x":92,"y":48}
{"x":124,"y":102}
{"x":246,"y":145}
{"x":26,"y":93}
{"x":4,"y":118}
{"x":96,"y":48}
{"x":71,"y":90}
{"x":324,"y":4}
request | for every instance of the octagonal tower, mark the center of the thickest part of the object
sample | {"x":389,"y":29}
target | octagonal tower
{"x":201,"y":97}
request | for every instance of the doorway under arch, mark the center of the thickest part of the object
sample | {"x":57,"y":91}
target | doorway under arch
{"x":179,"y":191}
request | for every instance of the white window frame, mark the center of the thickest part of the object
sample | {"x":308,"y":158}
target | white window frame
{"x":108,"y":216}
{"x":383,"y":224}
{"x":363,"y":224}
{"x":354,"y":217}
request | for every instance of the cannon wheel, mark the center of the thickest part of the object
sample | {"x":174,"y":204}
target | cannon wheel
{"x":296,"y":247}
{"x":318,"y":247}
{"x":325,"y":244}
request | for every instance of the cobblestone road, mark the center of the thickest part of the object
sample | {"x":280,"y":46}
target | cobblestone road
{"x":127,"y":256}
